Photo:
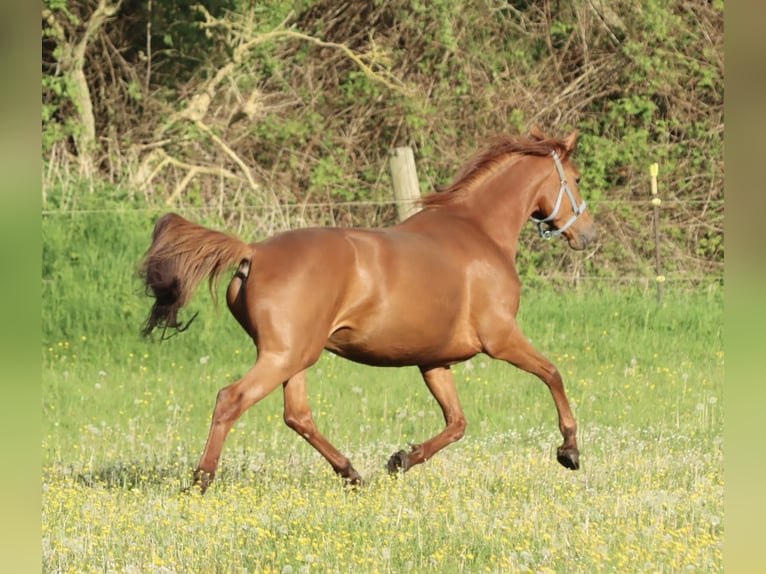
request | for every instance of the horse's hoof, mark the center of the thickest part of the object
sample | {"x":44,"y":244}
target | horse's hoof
{"x":354,"y":481}
{"x":202,"y":480}
{"x":568,"y":457}
{"x":399,"y":462}
{"x":195,"y":488}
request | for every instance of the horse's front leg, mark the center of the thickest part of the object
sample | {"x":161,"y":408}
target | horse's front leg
{"x":441,"y":383}
{"x":518,"y":351}
{"x":298,"y":417}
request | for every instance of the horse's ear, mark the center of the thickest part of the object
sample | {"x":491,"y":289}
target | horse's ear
{"x":536,"y":134}
{"x":571,"y":142}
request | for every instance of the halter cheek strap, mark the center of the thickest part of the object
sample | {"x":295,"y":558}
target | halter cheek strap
{"x":576,"y":209}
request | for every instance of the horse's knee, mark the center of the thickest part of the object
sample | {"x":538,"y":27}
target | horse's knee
{"x":299,"y":422}
{"x":225,"y":396}
{"x":458,"y":428}
{"x":227,"y":404}
{"x":291,"y":421}
{"x":552,"y":375}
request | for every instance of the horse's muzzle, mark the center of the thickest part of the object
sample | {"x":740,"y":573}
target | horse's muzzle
{"x":584,"y":238}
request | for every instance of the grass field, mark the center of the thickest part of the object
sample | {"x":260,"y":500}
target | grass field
{"x":126,"y":419}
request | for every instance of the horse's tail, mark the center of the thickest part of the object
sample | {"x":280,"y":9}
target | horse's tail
{"x":182,"y":253}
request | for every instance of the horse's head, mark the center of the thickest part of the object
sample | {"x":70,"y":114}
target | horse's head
{"x":560,"y":209}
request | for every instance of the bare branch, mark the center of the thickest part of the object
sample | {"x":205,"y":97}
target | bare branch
{"x":72,"y":61}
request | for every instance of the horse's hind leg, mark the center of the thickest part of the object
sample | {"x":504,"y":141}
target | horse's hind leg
{"x":265,"y":376}
{"x":441,"y":383}
{"x":518,"y":351}
{"x":298,"y":417}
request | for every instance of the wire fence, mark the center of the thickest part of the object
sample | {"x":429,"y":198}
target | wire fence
{"x":268,"y":218}
{"x":341,"y":204}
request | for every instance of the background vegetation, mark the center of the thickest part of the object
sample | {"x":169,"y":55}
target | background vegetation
{"x":276,"y":114}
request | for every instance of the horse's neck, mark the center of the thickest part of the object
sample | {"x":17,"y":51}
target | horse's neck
{"x":498,"y":206}
{"x":502,"y":204}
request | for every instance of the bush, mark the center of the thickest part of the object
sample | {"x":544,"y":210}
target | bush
{"x":258,"y":107}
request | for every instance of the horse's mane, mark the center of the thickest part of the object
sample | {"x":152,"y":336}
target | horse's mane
{"x":497,"y":149}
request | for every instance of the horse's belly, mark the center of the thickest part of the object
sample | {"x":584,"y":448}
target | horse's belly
{"x":419,"y":347}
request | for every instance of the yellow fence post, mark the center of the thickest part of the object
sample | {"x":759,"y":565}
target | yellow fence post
{"x":659,"y":278}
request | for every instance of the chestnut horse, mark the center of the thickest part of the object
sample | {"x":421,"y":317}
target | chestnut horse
{"x":434,"y":290}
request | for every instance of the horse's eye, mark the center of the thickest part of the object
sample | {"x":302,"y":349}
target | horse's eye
{"x":577,"y":180}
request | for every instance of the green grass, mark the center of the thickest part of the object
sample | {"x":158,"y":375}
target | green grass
{"x":125,"y":419}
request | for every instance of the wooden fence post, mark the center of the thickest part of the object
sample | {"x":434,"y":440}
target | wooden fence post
{"x":404,"y":176}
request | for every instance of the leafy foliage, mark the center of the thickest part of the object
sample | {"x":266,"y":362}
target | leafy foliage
{"x":274,"y":103}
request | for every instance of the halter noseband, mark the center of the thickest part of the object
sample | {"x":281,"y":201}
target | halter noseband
{"x":577,"y":209}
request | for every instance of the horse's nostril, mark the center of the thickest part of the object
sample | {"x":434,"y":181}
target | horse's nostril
{"x":589,"y":235}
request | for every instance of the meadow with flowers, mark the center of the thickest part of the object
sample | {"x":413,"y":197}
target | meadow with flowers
{"x":125,"y":420}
